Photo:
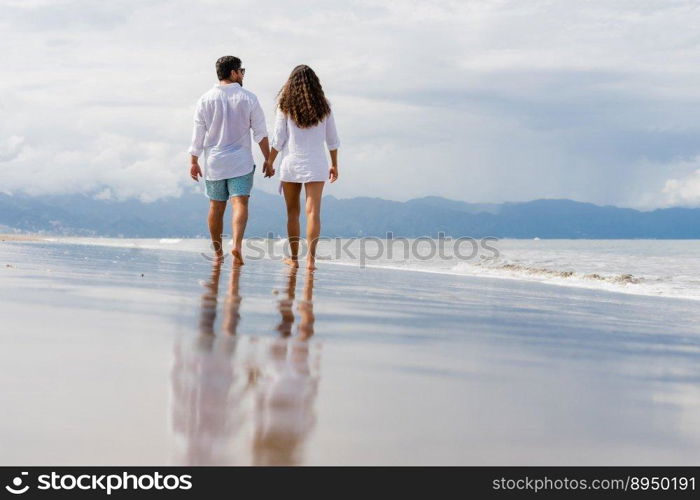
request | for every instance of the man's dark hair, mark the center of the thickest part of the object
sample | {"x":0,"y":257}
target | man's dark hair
{"x":226,"y":64}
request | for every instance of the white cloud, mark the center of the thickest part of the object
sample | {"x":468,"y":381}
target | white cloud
{"x":684,"y":191}
{"x":484,"y":100}
{"x":10,"y":148}
{"x":128,"y":167}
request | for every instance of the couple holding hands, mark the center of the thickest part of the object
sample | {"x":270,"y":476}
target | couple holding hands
{"x":304,"y":125}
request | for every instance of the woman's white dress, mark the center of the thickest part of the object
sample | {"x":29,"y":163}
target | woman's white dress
{"x":304,"y":150}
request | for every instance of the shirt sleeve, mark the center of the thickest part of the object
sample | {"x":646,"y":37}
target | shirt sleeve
{"x":257,"y":122}
{"x":281,"y":134}
{"x":199,"y":132}
{"x":332,"y":139}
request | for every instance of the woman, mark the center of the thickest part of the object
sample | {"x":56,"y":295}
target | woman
{"x":305,"y":125}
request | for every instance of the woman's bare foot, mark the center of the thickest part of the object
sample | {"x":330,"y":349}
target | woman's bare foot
{"x":310,"y":264}
{"x":291,"y":262}
{"x":237,"y":258}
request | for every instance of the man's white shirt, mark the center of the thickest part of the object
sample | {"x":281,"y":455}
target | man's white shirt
{"x":223,"y":119}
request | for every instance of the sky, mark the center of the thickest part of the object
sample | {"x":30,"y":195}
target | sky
{"x":476,"y":100}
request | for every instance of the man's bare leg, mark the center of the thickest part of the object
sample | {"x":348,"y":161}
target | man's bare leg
{"x":240,"y":219}
{"x":292,"y":191}
{"x":216,"y":226}
{"x":314,"y":191}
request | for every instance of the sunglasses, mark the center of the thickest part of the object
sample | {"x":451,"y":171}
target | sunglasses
{"x":242,"y":70}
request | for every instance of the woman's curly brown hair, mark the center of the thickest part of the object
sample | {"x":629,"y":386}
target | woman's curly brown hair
{"x":302,"y":98}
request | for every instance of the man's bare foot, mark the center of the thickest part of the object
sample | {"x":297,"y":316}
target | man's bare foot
{"x":310,"y":264}
{"x":291,"y":262}
{"x":219,"y":257}
{"x":237,"y":258}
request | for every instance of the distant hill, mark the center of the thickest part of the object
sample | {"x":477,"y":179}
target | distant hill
{"x":185,"y":216}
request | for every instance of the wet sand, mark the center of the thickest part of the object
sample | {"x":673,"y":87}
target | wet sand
{"x":131,"y":356}
{"x":20,"y":237}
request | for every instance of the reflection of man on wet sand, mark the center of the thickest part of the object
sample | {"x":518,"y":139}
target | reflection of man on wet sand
{"x":206,"y":388}
{"x":284,"y":413}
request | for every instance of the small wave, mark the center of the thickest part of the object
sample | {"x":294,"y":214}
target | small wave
{"x":619,"y":279}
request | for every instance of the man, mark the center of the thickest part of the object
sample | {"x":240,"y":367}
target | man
{"x":223,"y":119}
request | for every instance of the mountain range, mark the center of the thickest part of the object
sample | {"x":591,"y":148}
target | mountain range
{"x":185,"y":216}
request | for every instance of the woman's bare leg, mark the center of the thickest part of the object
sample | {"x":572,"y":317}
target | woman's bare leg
{"x":292,"y":191}
{"x":314,"y":191}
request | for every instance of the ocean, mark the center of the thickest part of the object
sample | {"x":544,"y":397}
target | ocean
{"x":666,"y":268}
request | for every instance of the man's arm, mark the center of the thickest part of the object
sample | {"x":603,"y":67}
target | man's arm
{"x":197,"y":145}
{"x":265,"y":149}
{"x":195,"y":169}
{"x":259,"y":127}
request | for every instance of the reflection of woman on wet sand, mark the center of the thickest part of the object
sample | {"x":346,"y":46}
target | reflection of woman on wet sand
{"x":206,"y":389}
{"x":284,"y":413}
{"x":306,"y":310}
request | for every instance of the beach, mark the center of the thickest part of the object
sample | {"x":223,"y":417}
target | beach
{"x":116,"y":355}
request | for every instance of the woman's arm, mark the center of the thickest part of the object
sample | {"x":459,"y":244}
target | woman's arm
{"x":333,"y":142}
{"x":271,"y":159}
{"x":280,"y":136}
{"x":333,"y":171}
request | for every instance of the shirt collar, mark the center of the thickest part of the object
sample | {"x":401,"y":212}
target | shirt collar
{"x":227,"y":85}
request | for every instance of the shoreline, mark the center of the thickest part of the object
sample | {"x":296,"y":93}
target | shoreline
{"x":579,"y":280}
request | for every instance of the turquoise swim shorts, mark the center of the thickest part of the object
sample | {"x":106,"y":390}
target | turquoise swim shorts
{"x":224,"y":189}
